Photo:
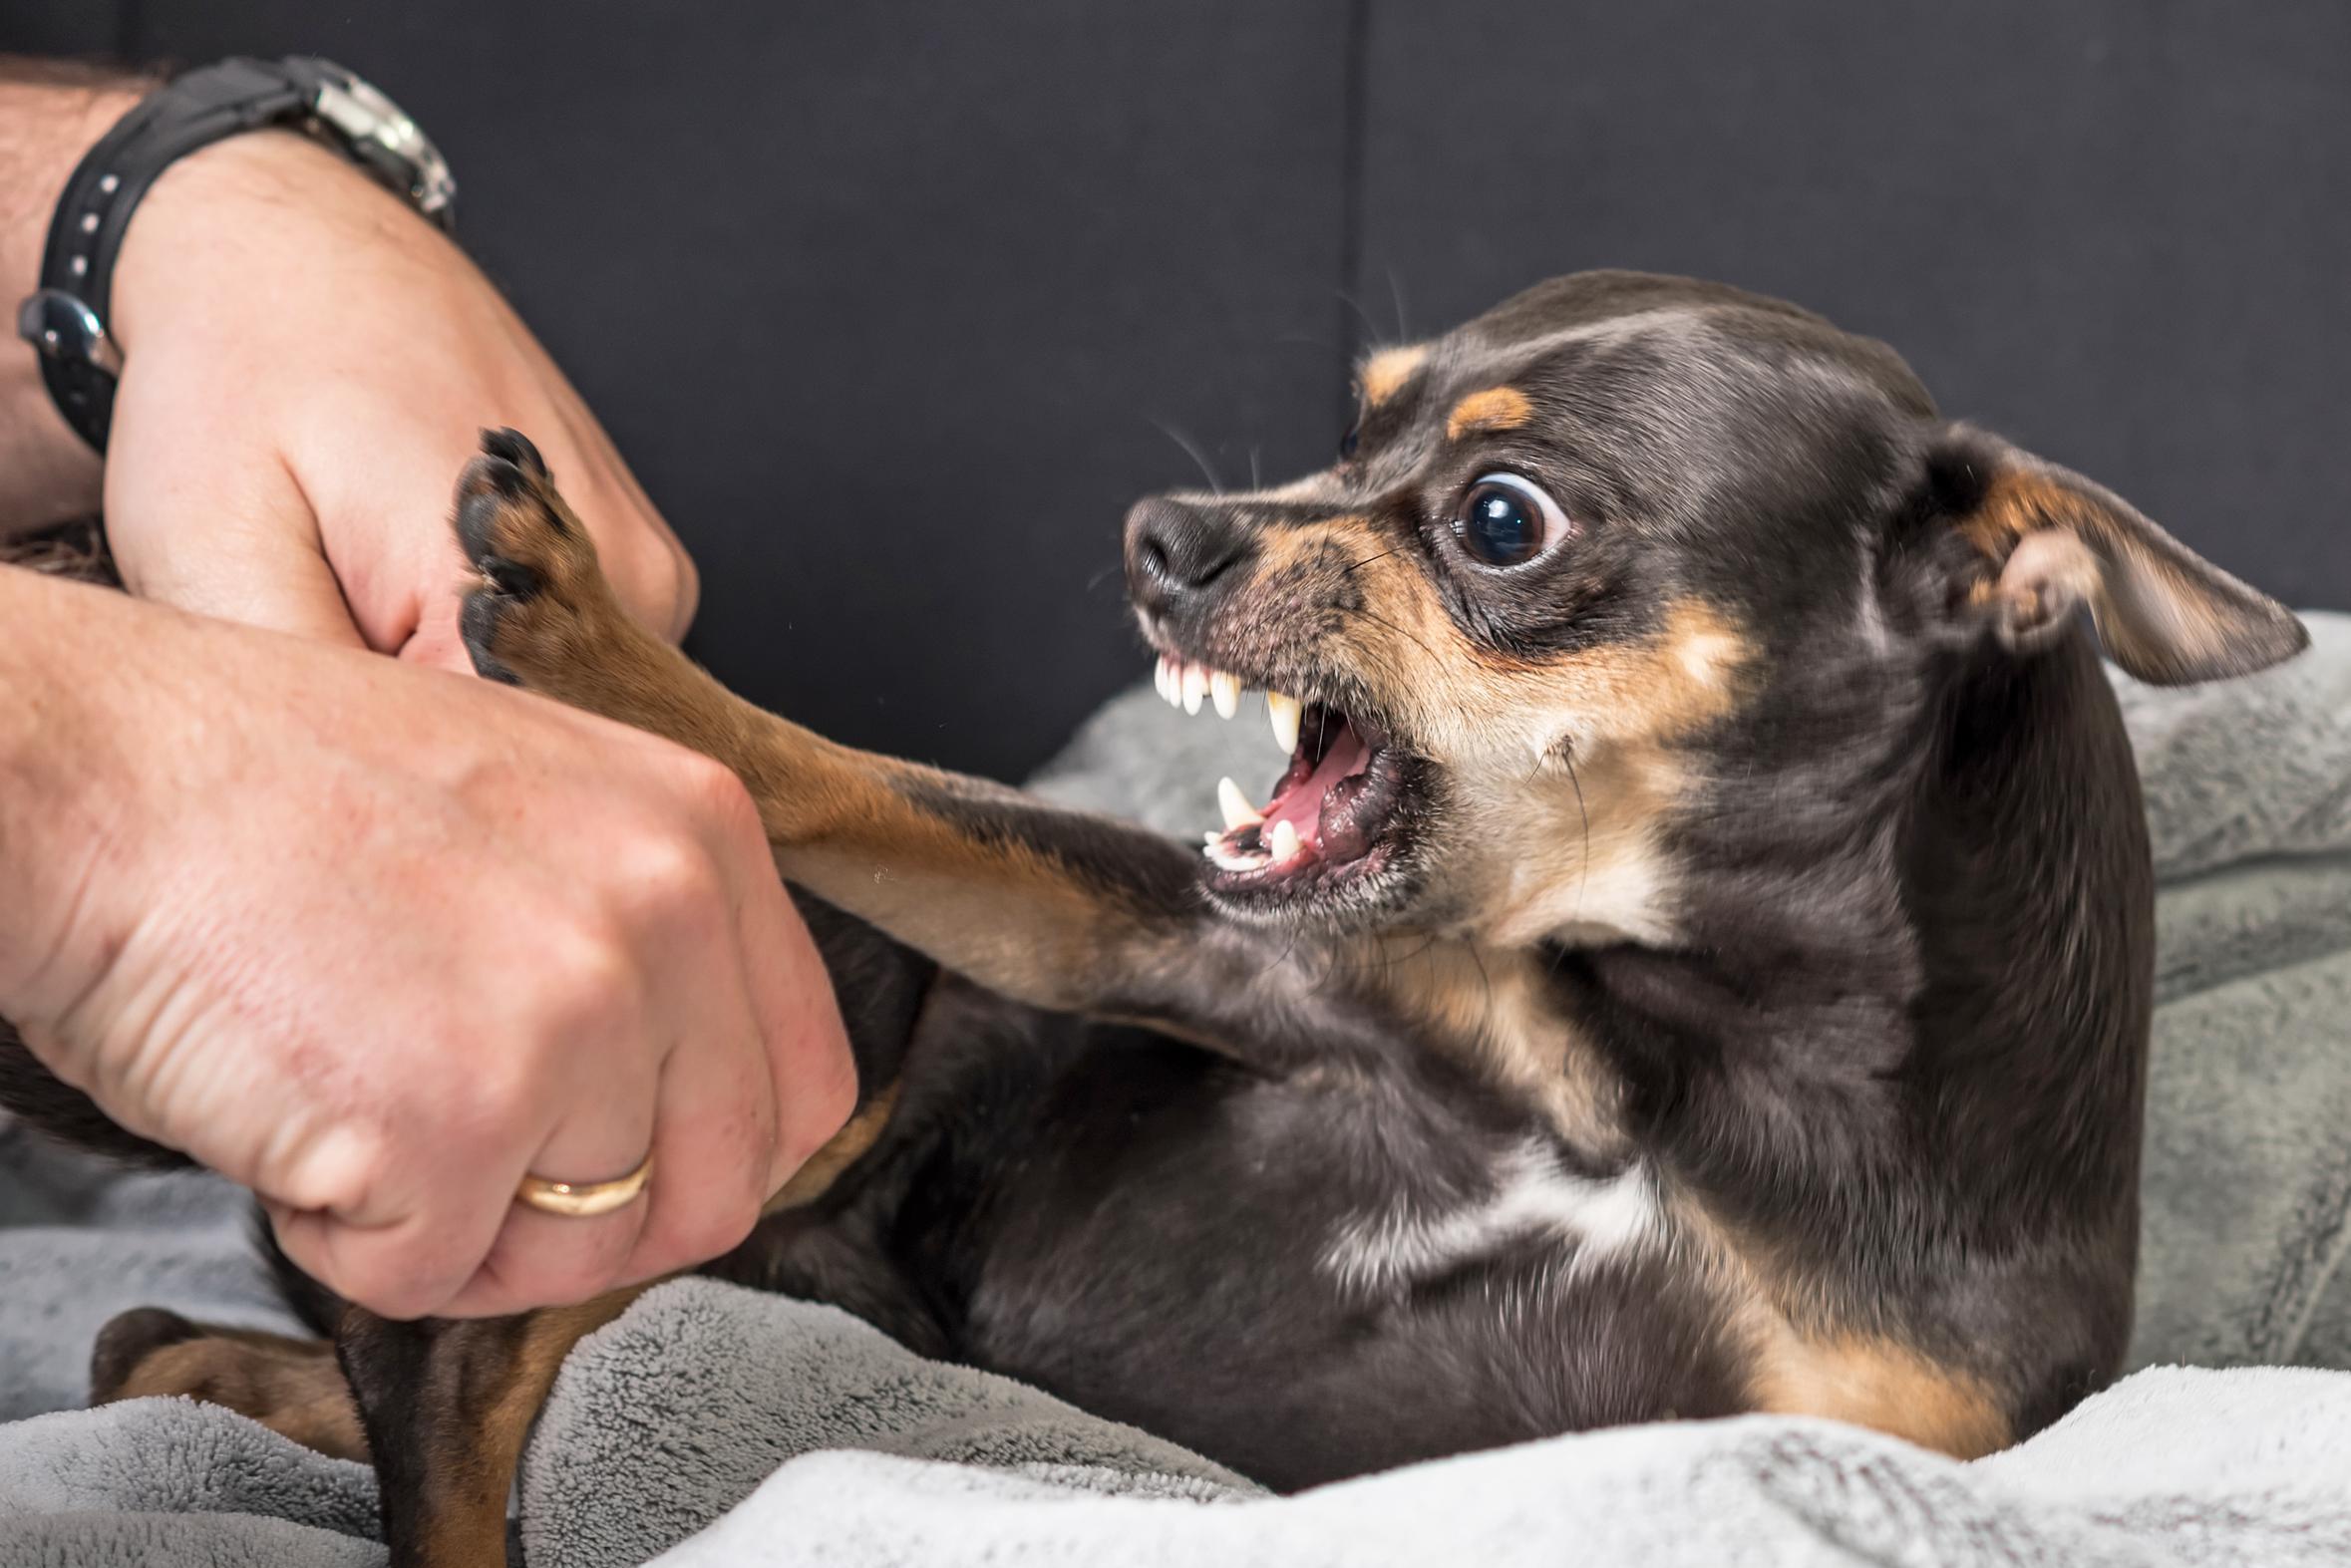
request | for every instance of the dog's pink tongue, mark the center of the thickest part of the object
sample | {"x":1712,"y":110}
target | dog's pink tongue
{"x":1306,"y":806}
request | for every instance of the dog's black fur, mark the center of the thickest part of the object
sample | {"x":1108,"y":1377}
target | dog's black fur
{"x":1742,"y":1002}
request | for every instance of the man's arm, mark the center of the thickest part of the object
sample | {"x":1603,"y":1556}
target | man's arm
{"x":372,"y":940}
{"x":307,"y":363}
{"x":49,"y":116}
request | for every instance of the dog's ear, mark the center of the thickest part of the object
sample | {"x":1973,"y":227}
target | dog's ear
{"x":2043,"y":542}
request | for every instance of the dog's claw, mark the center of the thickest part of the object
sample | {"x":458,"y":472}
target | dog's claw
{"x":514,"y":447}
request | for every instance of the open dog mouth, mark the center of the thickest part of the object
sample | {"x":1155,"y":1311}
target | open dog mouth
{"x":1336,"y":814}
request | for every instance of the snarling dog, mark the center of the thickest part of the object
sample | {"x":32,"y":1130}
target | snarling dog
{"x":1696,"y":960}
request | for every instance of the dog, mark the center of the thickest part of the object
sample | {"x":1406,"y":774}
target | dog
{"x":1696,"y":960}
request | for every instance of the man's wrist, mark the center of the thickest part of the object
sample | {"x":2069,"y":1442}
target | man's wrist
{"x":49,"y":116}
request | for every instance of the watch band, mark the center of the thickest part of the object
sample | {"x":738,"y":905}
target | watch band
{"x":65,"y":319}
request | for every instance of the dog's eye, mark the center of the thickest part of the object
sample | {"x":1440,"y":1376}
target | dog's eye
{"x":1505,"y":520}
{"x":1349,"y":441}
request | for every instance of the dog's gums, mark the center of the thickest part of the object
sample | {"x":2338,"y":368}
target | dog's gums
{"x":1335,"y":811}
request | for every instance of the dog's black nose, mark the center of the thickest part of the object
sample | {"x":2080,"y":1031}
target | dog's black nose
{"x":1175,"y":550}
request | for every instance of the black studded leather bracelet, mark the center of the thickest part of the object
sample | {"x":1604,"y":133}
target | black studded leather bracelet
{"x":65,"y":319}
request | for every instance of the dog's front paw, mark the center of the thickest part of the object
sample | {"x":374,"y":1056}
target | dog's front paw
{"x":541,"y":592}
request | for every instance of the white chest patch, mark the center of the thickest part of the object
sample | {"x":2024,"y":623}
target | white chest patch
{"x":1533,"y":1195}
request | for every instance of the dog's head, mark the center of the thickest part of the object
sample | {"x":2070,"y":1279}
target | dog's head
{"x":1576,"y":558}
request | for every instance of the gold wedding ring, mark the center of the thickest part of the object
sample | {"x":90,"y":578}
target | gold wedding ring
{"x":584,"y":1199}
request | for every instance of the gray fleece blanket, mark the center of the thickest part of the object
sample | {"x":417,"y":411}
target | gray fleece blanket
{"x":714,"y":1426}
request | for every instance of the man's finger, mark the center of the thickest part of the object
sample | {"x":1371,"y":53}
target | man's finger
{"x":542,"y":1259}
{"x":797,"y":1016}
{"x":713,"y":1145}
{"x":407,"y":1269}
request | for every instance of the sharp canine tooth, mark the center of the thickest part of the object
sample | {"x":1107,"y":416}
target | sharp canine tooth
{"x":1159,"y":677}
{"x":1235,"y":806}
{"x":1196,"y":687}
{"x":1284,"y":842}
{"x":1225,"y":691}
{"x":1284,"y":712}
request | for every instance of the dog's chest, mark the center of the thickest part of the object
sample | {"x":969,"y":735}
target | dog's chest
{"x":1527,"y":1195}
{"x":1314,"y":1276}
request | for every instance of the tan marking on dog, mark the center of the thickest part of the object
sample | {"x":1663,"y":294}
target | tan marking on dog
{"x":1490,"y":1007}
{"x":2162,"y":612}
{"x":1564,"y":767}
{"x":484,"y":1386}
{"x":1886,"y":1387}
{"x":291,"y":1386}
{"x":1388,"y":370}
{"x":1804,"y":1360}
{"x":1495,"y":409}
{"x":843,"y":1149}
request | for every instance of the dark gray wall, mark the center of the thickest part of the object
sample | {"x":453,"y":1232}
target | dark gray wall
{"x":889,"y":302}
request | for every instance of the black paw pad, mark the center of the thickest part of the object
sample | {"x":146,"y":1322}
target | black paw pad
{"x":514,"y":447}
{"x":511,"y":578}
{"x":491,"y":486}
{"x":129,"y":1339}
{"x":478,"y":627}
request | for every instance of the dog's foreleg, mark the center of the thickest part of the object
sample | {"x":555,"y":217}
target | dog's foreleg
{"x":1054,"y":907}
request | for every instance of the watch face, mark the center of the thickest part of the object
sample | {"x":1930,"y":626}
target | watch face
{"x":391,"y":143}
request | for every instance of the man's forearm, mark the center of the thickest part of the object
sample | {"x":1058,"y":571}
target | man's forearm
{"x":57,"y":745}
{"x":49,"y":116}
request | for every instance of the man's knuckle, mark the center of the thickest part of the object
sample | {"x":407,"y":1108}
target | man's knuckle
{"x":341,"y":1172}
{"x":712,"y":791}
{"x":669,"y":874}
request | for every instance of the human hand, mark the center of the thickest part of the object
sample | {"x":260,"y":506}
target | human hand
{"x":377,"y":941}
{"x":307,"y":363}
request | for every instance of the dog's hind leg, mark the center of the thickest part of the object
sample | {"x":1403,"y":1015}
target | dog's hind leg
{"x":440,"y":1407}
{"x":291,"y":1386}
{"x":446,"y":1404}
{"x":1057,"y":909}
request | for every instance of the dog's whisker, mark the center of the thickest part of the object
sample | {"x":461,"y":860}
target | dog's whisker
{"x":1372,"y":332}
{"x":1585,"y":869}
{"x":1192,"y":449}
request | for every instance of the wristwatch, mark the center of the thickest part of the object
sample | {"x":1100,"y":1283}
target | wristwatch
{"x":65,"y":319}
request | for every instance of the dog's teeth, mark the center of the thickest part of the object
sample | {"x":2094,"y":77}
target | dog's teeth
{"x":1225,"y":861}
{"x":1236,"y":807}
{"x":1196,"y":687}
{"x":1225,"y":691}
{"x":1159,"y":677}
{"x":1284,"y":842}
{"x":1284,"y":712}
